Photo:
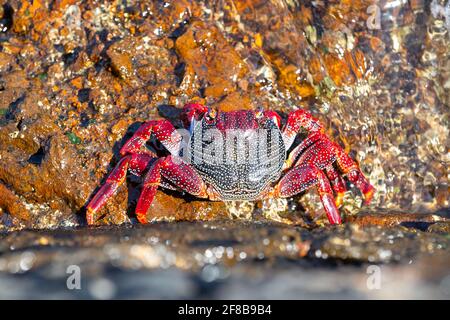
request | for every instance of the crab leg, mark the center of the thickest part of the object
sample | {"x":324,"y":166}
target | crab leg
{"x":338,"y":184}
{"x":179,"y":174}
{"x":135,"y":162}
{"x":301,"y":178}
{"x":164,"y":132}
{"x":354,"y":174}
{"x":296,"y":120}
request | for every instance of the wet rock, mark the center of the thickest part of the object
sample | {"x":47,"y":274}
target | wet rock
{"x":77,"y":80}
{"x":46,"y":174}
{"x":213,"y":60}
{"x":14,"y":85}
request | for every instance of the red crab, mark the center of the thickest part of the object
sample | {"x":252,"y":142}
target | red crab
{"x":239,"y":155}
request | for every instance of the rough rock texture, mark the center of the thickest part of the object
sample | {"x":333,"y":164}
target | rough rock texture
{"x":78,"y":78}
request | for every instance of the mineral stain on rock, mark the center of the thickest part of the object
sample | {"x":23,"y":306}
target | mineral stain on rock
{"x":77,"y":79}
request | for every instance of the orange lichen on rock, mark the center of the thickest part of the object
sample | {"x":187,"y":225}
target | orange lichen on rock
{"x":376,"y":44}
